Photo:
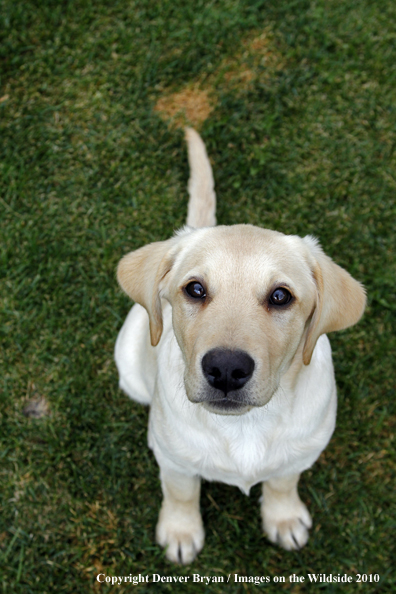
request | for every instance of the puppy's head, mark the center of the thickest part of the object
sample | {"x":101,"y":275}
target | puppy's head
{"x":246,"y":304}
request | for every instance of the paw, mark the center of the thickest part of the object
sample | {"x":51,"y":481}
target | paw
{"x":287,"y":527}
{"x":182,"y":536}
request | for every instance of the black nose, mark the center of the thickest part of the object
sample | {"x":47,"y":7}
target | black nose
{"x":227,"y":370}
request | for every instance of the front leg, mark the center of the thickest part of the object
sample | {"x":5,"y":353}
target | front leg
{"x":286,"y":520}
{"x":180,"y":527}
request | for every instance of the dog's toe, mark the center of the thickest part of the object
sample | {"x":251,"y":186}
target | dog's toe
{"x":289,"y":529}
{"x":182,"y":542}
{"x":292,"y":534}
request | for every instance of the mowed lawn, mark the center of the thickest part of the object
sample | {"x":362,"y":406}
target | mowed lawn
{"x":296,"y":101}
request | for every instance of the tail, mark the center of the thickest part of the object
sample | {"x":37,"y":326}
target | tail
{"x":202,"y":203}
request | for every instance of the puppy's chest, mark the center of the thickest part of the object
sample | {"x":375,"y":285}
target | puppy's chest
{"x":241,"y":462}
{"x":248,"y":457}
{"x":237,"y":453}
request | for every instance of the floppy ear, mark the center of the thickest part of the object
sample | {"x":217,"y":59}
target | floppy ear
{"x":340,"y":298}
{"x":140,"y":273}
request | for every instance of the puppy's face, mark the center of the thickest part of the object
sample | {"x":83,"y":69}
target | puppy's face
{"x":246,"y":304}
{"x":241,"y":297}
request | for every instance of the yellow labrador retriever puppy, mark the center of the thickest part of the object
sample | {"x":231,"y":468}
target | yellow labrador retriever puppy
{"x":227,"y":344}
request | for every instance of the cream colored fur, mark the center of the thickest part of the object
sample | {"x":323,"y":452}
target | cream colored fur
{"x":288,"y":407}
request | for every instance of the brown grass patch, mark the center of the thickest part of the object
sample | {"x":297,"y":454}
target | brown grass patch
{"x":190,"y":106}
{"x":257,"y":58}
{"x":260,"y":44}
{"x":36,"y":408}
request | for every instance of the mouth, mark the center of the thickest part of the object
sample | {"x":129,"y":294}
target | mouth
{"x":235,"y":402}
{"x":225,"y":406}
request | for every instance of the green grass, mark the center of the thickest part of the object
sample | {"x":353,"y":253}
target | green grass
{"x":89,"y":171}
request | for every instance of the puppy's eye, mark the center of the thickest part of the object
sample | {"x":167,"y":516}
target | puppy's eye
{"x":195,"y":290}
{"x":280,"y":297}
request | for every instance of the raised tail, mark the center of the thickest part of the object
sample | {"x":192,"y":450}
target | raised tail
{"x":202,"y":203}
